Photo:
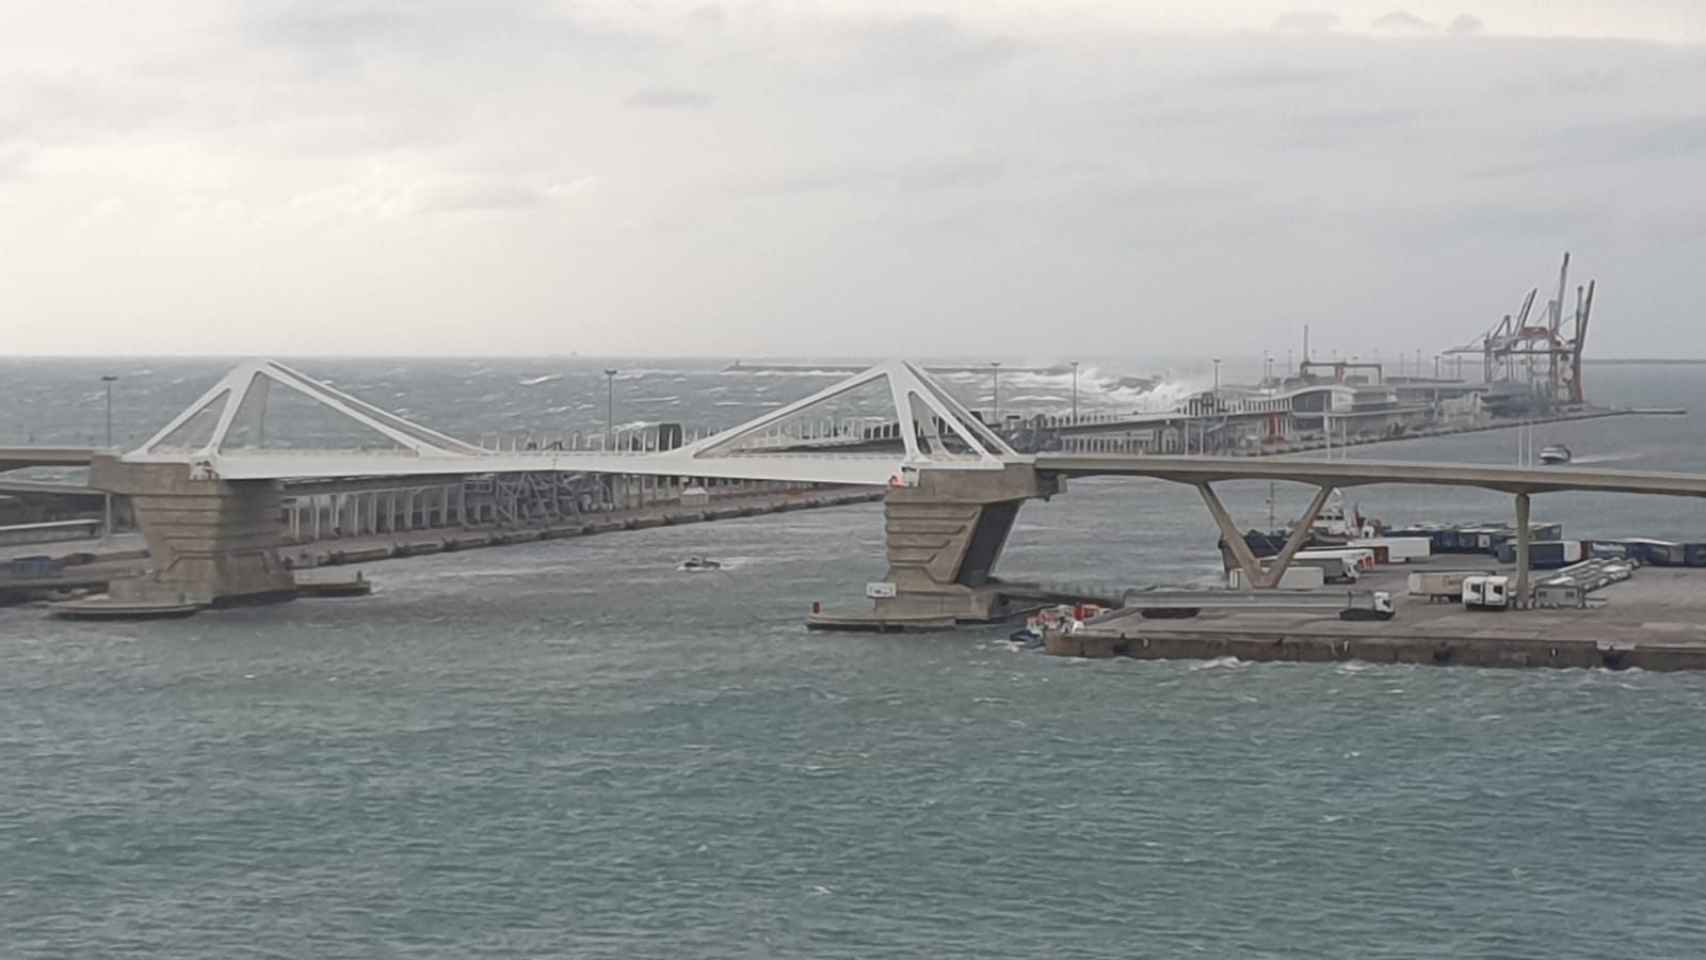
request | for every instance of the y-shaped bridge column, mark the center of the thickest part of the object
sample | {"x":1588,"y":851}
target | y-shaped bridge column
{"x":1233,"y":537}
{"x":945,"y":535}
{"x":1520,"y":601}
{"x":1252,"y":568}
{"x":1299,"y":534}
{"x":209,"y":541}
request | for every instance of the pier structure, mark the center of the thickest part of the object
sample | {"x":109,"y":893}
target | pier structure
{"x":208,"y":489}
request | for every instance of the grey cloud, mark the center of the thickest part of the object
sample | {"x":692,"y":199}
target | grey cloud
{"x":660,"y":98}
{"x":1464,"y":24}
{"x":1589,"y":81}
{"x":1312,"y":165}
{"x":321,"y":27}
{"x":1401,"y":21}
{"x":922,"y":176}
{"x":1306,"y":21}
{"x":1632,"y":140}
{"x":1506,"y":221}
{"x":1277,"y":75}
{"x":1640,"y":138}
{"x":349,"y":33}
{"x":62,"y":110}
{"x":14,"y":161}
{"x":948,"y":174}
{"x":483,"y":195}
{"x":709,"y":15}
{"x":1338,"y":128}
{"x":924,"y":47}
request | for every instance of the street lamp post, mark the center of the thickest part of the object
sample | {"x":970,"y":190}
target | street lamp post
{"x":107,"y":499}
{"x":609,"y":407}
{"x":1214,"y":410}
{"x":995,"y":377}
{"x":108,"y":380}
{"x":1075,"y":391}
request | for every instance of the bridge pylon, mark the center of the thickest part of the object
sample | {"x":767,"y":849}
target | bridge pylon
{"x":945,"y":532}
{"x":210,"y":541}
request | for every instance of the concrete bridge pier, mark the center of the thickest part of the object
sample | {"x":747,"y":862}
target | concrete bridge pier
{"x":209,"y":541}
{"x":1254,"y":577}
{"x":945,"y":535}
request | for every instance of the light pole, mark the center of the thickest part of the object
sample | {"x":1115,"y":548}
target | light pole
{"x":1075,"y":391}
{"x":995,"y":377}
{"x":609,"y":407}
{"x":107,"y":499}
{"x":1213,"y":409}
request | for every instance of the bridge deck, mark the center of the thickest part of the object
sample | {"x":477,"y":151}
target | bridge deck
{"x":16,"y":458}
{"x":875,"y":470}
{"x":1350,"y":473}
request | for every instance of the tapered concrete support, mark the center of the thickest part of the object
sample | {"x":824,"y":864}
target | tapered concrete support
{"x":1522,"y":536}
{"x":1299,"y":534}
{"x":209,"y":541}
{"x":1234,"y":538}
{"x":945,"y":536}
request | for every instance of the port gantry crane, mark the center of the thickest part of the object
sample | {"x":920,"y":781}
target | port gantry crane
{"x":1518,"y":350}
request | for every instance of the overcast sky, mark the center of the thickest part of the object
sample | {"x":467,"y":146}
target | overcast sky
{"x":792,"y":178}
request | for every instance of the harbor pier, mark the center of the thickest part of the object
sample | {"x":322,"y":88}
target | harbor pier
{"x":1656,"y":620}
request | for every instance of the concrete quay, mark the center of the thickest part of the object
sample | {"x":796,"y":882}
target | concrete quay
{"x":405,"y":543}
{"x":1655,"y":621}
{"x":123,"y":557}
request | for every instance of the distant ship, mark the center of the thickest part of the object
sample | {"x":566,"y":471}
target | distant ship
{"x":1554,"y":453}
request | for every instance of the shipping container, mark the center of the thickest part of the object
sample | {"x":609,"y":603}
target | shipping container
{"x":1544,"y":554}
{"x":1399,"y":549}
{"x":1361,"y":556}
{"x":1658,"y":553}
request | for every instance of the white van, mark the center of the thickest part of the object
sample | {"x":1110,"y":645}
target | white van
{"x":1486,"y":593}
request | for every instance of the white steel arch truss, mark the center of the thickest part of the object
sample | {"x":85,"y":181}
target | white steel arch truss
{"x":932,"y":428}
{"x":909,"y":389}
{"x":251,"y":382}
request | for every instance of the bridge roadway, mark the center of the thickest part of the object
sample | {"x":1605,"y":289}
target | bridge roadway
{"x":1350,"y":473}
{"x":1326,"y":475}
{"x":830,"y":466}
{"x":17,"y":458}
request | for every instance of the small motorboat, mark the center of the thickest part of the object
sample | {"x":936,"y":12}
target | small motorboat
{"x":1027,"y":635}
{"x":1554,"y":453}
{"x":699,"y":565}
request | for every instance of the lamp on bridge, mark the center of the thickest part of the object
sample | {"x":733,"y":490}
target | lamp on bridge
{"x":995,"y":377}
{"x":609,"y":407}
{"x":1075,"y":391}
{"x":107,"y":500}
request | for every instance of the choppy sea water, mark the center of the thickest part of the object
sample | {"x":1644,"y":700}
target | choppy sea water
{"x":571,"y":749}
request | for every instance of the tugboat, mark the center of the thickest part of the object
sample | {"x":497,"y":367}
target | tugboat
{"x":1333,"y":526}
{"x":1554,"y":453}
{"x":699,"y":564}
